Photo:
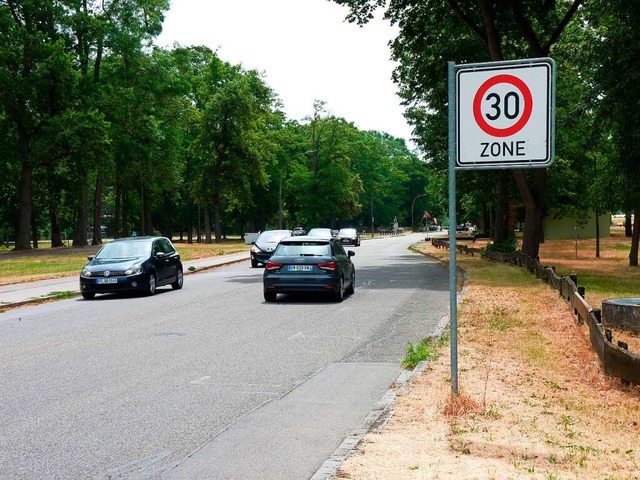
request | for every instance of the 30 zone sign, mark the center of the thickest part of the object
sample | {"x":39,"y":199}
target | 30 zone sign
{"x":505,"y":114}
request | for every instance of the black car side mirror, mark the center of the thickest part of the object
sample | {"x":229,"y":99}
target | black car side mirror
{"x":160,"y":254}
{"x":351,"y":253}
{"x":90,"y":257}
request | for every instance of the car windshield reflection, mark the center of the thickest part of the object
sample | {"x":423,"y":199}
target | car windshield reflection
{"x":122,"y":250}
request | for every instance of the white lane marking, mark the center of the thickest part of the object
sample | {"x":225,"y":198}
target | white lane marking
{"x":296,"y":335}
{"x":200,"y":381}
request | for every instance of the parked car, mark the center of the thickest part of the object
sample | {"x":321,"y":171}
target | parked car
{"x":299,"y":231}
{"x":349,"y":236}
{"x":265,"y":244}
{"x":320,"y":233}
{"x":132,"y":264}
{"x":309,"y":264}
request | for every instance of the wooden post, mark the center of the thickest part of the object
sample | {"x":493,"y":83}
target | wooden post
{"x":598,"y":314}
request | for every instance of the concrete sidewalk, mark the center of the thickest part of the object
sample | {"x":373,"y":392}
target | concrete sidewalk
{"x":22,"y":293}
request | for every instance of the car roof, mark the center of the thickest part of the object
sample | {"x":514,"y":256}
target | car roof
{"x":135,"y":239}
{"x":307,"y":238}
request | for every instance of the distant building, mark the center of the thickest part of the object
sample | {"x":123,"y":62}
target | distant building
{"x":556,"y":228}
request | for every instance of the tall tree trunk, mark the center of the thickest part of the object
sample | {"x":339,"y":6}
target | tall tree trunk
{"x":97,"y":211}
{"x":82,"y":222}
{"x":627,"y":225}
{"x":533,"y":198}
{"x":56,"y":235}
{"x":207,"y":225}
{"x":125,"y":214}
{"x":216,"y":213}
{"x":34,"y":230}
{"x":149,"y":227}
{"x":26,"y":205}
{"x":117,"y":232}
{"x":635,"y":239}
{"x":143,"y":217}
{"x":597,"y":234}
{"x":502,"y":211}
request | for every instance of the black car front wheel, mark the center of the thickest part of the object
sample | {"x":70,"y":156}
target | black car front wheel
{"x":177,"y":285}
{"x":151,"y":286}
{"x":88,"y":295}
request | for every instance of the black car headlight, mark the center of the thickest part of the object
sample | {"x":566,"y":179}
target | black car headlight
{"x":86,"y":272}
{"x":255,"y":249}
{"x":133,"y":270}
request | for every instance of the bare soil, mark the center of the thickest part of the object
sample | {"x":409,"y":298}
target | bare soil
{"x":533,"y":400}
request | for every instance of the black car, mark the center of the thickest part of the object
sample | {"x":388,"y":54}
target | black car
{"x":132,"y":264}
{"x":265,"y":244}
{"x":309,"y":264}
{"x":349,"y":236}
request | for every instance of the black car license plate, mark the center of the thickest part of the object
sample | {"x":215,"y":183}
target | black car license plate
{"x":102,"y":281}
{"x":300,"y":268}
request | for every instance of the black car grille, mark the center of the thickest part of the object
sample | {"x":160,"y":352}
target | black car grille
{"x":112,"y":273}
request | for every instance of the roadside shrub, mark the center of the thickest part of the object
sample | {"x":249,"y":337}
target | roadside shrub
{"x":508,"y":246}
{"x":425,"y":350}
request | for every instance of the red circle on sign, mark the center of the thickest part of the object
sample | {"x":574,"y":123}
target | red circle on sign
{"x":526,"y":114}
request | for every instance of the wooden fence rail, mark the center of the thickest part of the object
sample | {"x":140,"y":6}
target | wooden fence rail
{"x":616,"y":359}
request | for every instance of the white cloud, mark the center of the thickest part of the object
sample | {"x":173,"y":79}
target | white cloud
{"x":306,"y":51}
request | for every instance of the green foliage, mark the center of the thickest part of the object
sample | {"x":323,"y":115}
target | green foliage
{"x":508,"y":246}
{"x":424,"y":350}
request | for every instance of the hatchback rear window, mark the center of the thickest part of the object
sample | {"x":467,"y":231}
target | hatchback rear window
{"x":303,"y":249}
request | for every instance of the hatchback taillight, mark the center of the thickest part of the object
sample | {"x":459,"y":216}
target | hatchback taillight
{"x":328,"y":266}
{"x":273,"y":265}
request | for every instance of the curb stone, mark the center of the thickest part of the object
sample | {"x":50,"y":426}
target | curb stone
{"x":376,"y":420}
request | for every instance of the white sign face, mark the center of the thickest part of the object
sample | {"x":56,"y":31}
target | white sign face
{"x":505,"y":114}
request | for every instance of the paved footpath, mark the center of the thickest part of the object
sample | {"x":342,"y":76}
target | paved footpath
{"x":17,"y":294}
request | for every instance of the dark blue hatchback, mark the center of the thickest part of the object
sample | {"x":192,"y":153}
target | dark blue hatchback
{"x":309,"y":264}
{"x":132,"y":264}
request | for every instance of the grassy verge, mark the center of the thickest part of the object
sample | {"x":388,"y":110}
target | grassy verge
{"x":45,"y":262}
{"x":534,"y":402}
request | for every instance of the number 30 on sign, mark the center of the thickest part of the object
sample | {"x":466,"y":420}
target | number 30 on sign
{"x":505,"y":114}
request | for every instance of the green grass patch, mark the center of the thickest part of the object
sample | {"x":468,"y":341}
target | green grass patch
{"x":427,"y":349}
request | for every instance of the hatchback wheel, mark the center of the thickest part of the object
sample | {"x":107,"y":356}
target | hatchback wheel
{"x":339,"y":294}
{"x":151,"y":287}
{"x":177,"y":285}
{"x":88,"y":295}
{"x":352,"y":286}
{"x":254,"y":263}
{"x":270,"y":296}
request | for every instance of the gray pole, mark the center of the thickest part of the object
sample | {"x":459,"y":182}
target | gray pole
{"x":453,"y":270}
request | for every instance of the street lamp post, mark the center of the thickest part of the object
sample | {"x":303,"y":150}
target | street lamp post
{"x":412,"y":203}
{"x":283,"y":172}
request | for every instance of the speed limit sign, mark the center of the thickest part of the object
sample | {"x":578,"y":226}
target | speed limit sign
{"x":505,"y":114}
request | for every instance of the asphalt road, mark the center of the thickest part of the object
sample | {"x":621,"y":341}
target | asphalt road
{"x":209,"y":381}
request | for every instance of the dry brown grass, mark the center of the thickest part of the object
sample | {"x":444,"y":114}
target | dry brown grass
{"x":541,"y":406}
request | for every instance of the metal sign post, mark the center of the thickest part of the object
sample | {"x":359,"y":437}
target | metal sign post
{"x":501,"y":115}
{"x":453,"y":269}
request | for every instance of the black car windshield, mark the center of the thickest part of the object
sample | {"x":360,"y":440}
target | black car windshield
{"x":273,"y":236}
{"x":303,"y":249}
{"x":135,"y":249}
{"x":348,"y":231}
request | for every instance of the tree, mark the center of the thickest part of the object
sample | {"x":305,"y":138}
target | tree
{"x":433,"y":32}
{"x":617,"y":87}
{"x":236,"y":116}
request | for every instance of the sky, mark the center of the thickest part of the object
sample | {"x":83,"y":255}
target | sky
{"x":306,"y":51}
